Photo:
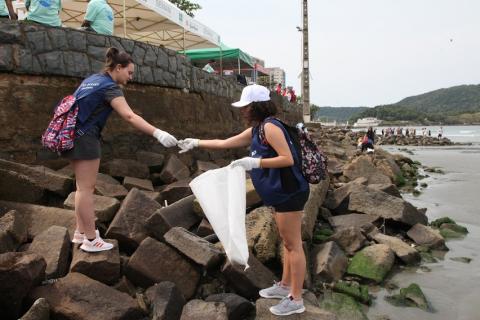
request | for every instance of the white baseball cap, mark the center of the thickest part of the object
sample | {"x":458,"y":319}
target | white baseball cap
{"x":252,"y":93}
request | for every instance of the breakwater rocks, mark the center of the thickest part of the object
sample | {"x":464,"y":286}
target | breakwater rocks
{"x":167,"y":262}
{"x":413,"y":141}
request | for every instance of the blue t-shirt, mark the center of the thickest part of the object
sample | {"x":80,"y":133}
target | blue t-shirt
{"x":100,"y":15}
{"x":270,"y":183}
{"x":46,"y":12}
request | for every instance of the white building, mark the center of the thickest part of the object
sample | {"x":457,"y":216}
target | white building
{"x":277,"y":75}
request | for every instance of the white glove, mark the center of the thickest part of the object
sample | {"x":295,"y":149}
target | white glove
{"x":248,"y":163}
{"x":188,"y":144}
{"x":165,"y":138}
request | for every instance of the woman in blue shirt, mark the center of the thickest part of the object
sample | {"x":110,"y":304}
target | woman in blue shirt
{"x":278,"y":180}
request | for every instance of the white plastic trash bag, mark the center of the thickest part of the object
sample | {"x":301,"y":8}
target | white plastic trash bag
{"x":221,"y":194}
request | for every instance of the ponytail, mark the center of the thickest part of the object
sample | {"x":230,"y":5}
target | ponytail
{"x":116,"y":57}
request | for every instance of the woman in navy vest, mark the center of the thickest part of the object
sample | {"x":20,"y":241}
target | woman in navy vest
{"x":278,"y":180}
{"x":97,"y":96}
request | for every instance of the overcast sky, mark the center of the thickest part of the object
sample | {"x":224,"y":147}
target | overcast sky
{"x":362,"y":53}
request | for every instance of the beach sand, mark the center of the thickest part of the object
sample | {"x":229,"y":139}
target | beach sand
{"x":452,"y":288}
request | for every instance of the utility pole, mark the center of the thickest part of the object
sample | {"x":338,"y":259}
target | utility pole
{"x":305,"y":65}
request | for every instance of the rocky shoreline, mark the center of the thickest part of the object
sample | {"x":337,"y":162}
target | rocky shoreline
{"x":167,"y":262}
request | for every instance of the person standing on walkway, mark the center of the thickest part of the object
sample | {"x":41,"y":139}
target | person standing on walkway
{"x":6,"y":10}
{"x":46,"y":12}
{"x":99,"y":17}
{"x":97,"y":96}
{"x":277,"y":177}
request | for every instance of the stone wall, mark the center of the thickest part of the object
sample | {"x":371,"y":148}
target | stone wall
{"x":40,"y":65}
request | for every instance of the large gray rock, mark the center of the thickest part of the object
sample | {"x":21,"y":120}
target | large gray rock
{"x":125,"y":168}
{"x":19,"y":272}
{"x":178,"y":214}
{"x":200,"y":310}
{"x":427,"y":236}
{"x":42,"y":178}
{"x":153,"y":160}
{"x":262,"y":234}
{"x":142,"y":184}
{"x":103,"y":266}
{"x":312,"y":207}
{"x":76,"y":296}
{"x":203,"y":166}
{"x":383,"y":205}
{"x":329,"y":262}
{"x":389,"y":167}
{"x":13,"y":231}
{"x":238,"y":308}
{"x":53,"y":245}
{"x":363,"y":167}
{"x":40,"y":310}
{"x":204,"y":229}
{"x":166,"y":301}
{"x":107,"y":189}
{"x":40,"y":218}
{"x":337,"y":201}
{"x":128,"y":226}
{"x":356,"y":220}
{"x":154,"y":262}
{"x":248,"y":282}
{"x":176,"y":191}
{"x":350,"y":239}
{"x":15,"y":186}
{"x":401,"y":249}
{"x":174,"y":170}
{"x":199,"y":250}
{"x":391,"y":189}
{"x":312,"y":311}
{"x":105,"y":207}
{"x":373,"y":262}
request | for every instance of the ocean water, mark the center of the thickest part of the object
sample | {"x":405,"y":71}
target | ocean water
{"x":452,"y":288}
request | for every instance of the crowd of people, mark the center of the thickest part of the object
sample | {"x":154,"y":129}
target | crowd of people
{"x":287,"y":92}
{"x":98,"y":15}
{"x":410,"y":132}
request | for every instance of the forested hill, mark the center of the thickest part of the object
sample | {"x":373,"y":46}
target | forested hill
{"x":460,"y":104}
{"x":340,"y":114}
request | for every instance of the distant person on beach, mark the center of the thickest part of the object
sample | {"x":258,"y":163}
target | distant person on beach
{"x":293,"y":98}
{"x":429,"y":133}
{"x":95,"y":106}
{"x":278,"y":89}
{"x":99,"y":17}
{"x":46,"y":12}
{"x":440,"y":133}
{"x":277,"y":178}
{"x":6,"y":10}
{"x":371,"y":135}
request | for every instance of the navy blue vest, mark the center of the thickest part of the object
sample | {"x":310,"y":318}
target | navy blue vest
{"x":268,"y":181}
{"x":89,"y":95}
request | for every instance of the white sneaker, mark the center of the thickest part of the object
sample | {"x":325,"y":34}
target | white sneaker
{"x":276,"y":291}
{"x":96,"y":245}
{"x":78,"y":237}
{"x":287,"y":306}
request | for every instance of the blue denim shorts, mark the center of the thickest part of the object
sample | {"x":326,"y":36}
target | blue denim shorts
{"x":295,"y":203}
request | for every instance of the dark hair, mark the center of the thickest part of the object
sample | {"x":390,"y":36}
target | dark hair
{"x":259,"y":111}
{"x":115,"y":57}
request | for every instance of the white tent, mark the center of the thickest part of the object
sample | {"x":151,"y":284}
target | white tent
{"x":153,"y":21}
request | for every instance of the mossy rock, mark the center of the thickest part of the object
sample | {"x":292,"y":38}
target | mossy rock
{"x":400,"y":180}
{"x":322,"y":234}
{"x":454,"y":227}
{"x":343,"y":306}
{"x":364,"y":266}
{"x":438,"y":222}
{"x":427,"y":257}
{"x":416,"y":192}
{"x":462,"y":259}
{"x":423,"y":185}
{"x":353,"y":289}
{"x":450,"y":234}
{"x":412,"y":296}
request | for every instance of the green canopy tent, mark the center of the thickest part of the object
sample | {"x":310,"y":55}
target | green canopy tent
{"x":229,"y":58}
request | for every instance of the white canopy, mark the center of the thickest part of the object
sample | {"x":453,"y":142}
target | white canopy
{"x":153,"y":21}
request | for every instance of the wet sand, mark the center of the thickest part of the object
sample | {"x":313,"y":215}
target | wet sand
{"x":452,"y":288}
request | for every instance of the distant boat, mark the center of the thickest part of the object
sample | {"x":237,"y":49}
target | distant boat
{"x":366,"y":122}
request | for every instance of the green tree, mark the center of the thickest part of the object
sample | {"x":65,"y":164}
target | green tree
{"x":187,"y":6}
